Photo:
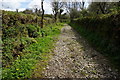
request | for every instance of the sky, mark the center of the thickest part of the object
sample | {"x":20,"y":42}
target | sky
{"x":21,"y":5}
{"x":12,"y":5}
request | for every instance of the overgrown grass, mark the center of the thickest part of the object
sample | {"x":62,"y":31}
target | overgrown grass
{"x":36,"y":51}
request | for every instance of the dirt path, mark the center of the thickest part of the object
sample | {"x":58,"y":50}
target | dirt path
{"x":74,"y":58}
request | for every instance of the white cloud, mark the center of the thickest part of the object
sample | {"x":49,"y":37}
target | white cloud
{"x":37,"y":3}
{"x":48,"y":7}
{"x":12,"y":5}
{"x":34,"y":3}
{"x":9,"y":10}
{"x":15,"y":0}
{"x":21,"y":9}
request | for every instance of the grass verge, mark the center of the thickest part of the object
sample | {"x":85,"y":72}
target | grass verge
{"x":99,"y":43}
{"x":33,"y":54}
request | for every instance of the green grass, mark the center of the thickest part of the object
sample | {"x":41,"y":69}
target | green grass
{"x":38,"y":50}
{"x":100,"y":44}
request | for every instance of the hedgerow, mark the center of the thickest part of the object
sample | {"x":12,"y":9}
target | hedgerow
{"x":102,"y":31}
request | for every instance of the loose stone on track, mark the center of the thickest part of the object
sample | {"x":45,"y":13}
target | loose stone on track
{"x":74,"y":58}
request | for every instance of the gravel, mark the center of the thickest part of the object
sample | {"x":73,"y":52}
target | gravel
{"x":75,"y":58}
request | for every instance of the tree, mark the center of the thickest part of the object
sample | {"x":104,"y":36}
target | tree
{"x":17,"y":10}
{"x":82,"y":5}
{"x":56,"y":6}
{"x":60,"y":13}
{"x":42,"y":16}
{"x":101,"y":7}
{"x":74,"y":8}
{"x":37,"y":10}
{"x":35,"y":7}
{"x":28,"y":11}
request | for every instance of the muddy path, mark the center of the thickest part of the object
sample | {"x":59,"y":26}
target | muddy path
{"x":74,"y":58}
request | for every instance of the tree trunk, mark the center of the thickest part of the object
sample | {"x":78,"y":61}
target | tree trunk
{"x":42,"y":17}
{"x":56,"y":16}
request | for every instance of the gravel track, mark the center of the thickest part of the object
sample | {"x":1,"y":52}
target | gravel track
{"x":74,"y":58}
